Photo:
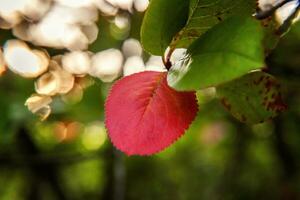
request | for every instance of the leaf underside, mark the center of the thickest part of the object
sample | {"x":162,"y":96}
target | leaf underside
{"x":163,"y":19}
{"x":224,"y":53}
{"x":253,"y":98}
{"x":144,"y":115}
{"x":204,"y":14}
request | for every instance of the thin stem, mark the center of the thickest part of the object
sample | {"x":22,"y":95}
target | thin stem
{"x":267,"y":13}
{"x":167,"y":59}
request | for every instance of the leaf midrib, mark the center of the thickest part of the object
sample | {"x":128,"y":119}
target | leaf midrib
{"x":157,"y":85}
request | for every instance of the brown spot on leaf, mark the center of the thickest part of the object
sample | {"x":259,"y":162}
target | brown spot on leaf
{"x":192,"y":33}
{"x":243,"y":118}
{"x":276,"y":104}
{"x":269,"y":84}
{"x":259,"y":80}
{"x":226,"y":104}
{"x":273,"y":96}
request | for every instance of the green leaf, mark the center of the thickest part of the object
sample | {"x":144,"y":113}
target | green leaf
{"x":227,"y":51}
{"x":253,"y":98}
{"x":204,"y":14}
{"x":271,"y":38}
{"x":163,"y":19}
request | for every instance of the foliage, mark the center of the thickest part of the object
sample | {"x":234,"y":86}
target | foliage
{"x":252,"y":98}
{"x":224,"y":43}
{"x":151,"y":115}
{"x":225,"y":52}
{"x":69,"y":156}
{"x":161,"y":23}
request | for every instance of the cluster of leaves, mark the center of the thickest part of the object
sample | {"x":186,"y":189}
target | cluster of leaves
{"x":226,"y":48}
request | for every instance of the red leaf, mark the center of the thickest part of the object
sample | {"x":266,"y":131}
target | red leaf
{"x":144,"y":115}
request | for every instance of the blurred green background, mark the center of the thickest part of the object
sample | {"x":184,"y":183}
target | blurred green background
{"x":70,"y":157}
